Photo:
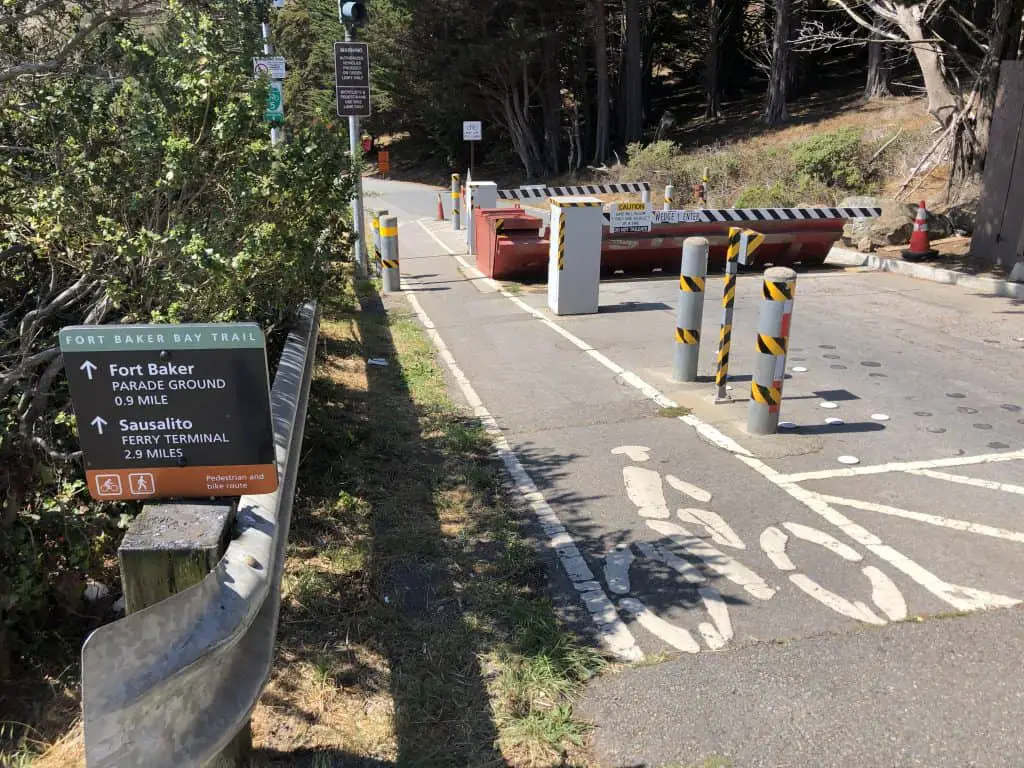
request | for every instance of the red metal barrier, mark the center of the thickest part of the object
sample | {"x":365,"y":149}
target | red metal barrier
{"x":520,"y":252}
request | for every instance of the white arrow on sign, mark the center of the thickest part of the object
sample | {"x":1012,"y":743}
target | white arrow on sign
{"x":88,"y":367}
{"x":99,"y":422}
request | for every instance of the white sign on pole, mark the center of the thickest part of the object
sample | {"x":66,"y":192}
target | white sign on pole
{"x":472,"y":130}
{"x":272,"y":66}
{"x":680,"y":217}
{"x":630,"y":217}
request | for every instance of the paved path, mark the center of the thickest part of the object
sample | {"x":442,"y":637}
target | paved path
{"x":685,"y":535}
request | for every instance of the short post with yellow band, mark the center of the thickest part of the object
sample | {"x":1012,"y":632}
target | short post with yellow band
{"x":391,"y":277}
{"x":742,"y":244}
{"x":375,"y":215}
{"x":692,"y":276}
{"x":772,"y":341}
{"x":574,"y":258}
{"x":669,"y":194}
{"x":456,"y":204}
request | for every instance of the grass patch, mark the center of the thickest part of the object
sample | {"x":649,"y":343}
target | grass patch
{"x":675,"y":412}
{"x":415,"y":628}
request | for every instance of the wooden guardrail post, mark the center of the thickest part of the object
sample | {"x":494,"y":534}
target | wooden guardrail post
{"x":167,"y":549}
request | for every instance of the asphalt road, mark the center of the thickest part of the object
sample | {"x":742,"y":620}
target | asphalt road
{"x":786,"y":586}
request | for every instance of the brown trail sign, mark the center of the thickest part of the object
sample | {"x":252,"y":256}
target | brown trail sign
{"x":172,"y":410}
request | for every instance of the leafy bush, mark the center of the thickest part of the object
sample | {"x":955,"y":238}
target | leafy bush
{"x":777,"y":195}
{"x":138,"y":186}
{"x":837,"y":159}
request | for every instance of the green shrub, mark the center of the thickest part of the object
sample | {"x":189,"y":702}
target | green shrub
{"x":837,"y":159}
{"x":778,"y":195}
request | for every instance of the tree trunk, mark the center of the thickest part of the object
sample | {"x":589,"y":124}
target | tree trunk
{"x":942,"y":102}
{"x":552,"y":106}
{"x":877,"y":85}
{"x":632,"y":74}
{"x":1001,"y":45}
{"x":712,"y":61}
{"x":778,"y":79}
{"x":604,"y":95}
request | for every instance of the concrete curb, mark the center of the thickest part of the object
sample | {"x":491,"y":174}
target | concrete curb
{"x":985,"y":285}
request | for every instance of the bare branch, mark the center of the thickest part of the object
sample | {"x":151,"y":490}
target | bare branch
{"x":878,"y":8}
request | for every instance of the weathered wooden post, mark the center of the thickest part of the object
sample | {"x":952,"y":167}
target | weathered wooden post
{"x":169,"y":548}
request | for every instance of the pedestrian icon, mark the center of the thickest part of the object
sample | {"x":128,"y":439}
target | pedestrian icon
{"x":141,"y":484}
{"x":108,"y":485}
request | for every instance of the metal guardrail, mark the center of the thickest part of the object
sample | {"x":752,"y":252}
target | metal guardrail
{"x":540,"y":191}
{"x":172,"y":685}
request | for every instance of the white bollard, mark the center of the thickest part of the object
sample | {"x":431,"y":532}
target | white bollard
{"x":669,"y":193}
{"x":479,"y":194}
{"x":574,"y":259}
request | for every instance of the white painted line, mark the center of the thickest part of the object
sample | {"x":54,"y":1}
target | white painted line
{"x":855,"y":610}
{"x":711,"y":636}
{"x":684,"y":568}
{"x":773,"y":542}
{"x":612,"y":631}
{"x":717,"y":528}
{"x":636,"y":453}
{"x":695,"y":493}
{"x":677,"y":637}
{"x":643,"y":487}
{"x":977,"y":482}
{"x":714,"y":559}
{"x":705,"y":430}
{"x":815,"y":536}
{"x":960,"y":598}
{"x":902,"y":466}
{"x":925,"y":517}
{"x":719,"y":612}
{"x":616,"y":570}
{"x":885,"y":594}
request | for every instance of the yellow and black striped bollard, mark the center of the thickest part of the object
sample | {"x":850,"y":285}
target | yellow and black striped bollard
{"x":456,"y":204}
{"x":392,"y":279}
{"x":690,"y":314}
{"x":375,"y":216}
{"x":742,"y":243}
{"x":669,"y":193}
{"x":772,"y":340}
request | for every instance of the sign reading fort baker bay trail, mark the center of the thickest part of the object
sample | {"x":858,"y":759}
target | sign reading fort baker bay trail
{"x":172,"y":410}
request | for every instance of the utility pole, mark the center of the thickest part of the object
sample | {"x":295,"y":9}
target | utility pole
{"x":352,"y":15}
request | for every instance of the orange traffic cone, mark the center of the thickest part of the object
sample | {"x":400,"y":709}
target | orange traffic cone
{"x":440,"y":208}
{"x":920,"y":249}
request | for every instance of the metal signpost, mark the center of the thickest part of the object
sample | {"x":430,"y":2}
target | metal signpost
{"x":172,"y":410}
{"x":273,"y":110}
{"x":472,"y":131}
{"x":352,"y":92}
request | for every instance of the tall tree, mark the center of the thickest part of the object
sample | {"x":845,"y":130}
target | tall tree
{"x":713,"y":61}
{"x":631,"y":79}
{"x":877,"y":84}
{"x":776,"y":110}
{"x":602,"y":106}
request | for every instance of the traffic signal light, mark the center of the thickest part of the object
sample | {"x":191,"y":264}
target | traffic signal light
{"x":352,"y":14}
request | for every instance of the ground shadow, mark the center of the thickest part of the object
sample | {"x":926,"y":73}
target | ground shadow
{"x":633,"y":306}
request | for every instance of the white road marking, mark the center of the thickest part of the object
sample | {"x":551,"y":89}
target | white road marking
{"x":977,"y":482}
{"x":773,"y":542}
{"x":925,"y":517}
{"x":684,"y":568}
{"x":960,"y":598}
{"x":815,"y":536}
{"x":714,"y":559}
{"x":677,"y":637}
{"x":635,"y":453}
{"x":719,"y":612}
{"x":717,"y":528}
{"x":885,"y":594}
{"x":711,"y":636}
{"x":695,"y":493}
{"x":901,"y":466}
{"x":616,"y":570}
{"x":643,"y":487}
{"x":612,"y":631}
{"x":855,"y":610}
{"x":848,"y":460}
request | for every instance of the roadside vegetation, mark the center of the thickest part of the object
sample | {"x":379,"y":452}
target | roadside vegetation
{"x":137,"y":184}
{"x":416,"y":627}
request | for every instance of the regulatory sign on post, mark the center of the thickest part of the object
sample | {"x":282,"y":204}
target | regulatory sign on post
{"x":273,"y":110}
{"x":630,"y":217}
{"x":172,"y":410}
{"x":352,"y":79}
{"x":273,"y":67}
{"x":472,"y":130}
